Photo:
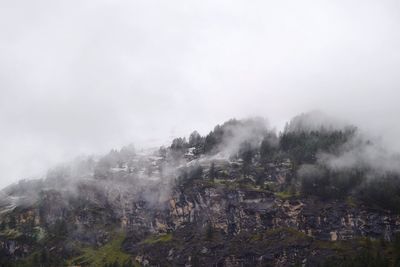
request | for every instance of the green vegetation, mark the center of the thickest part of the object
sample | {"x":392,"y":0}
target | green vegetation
{"x":286,"y":194}
{"x":221,"y":183}
{"x":209,"y":232}
{"x":361,"y":252}
{"x":110,"y":253}
{"x":302,"y":145}
{"x":189,"y":174}
{"x":285,"y":235}
{"x":11,"y":234}
{"x":40,"y":257}
{"x":241,"y":184}
{"x":384,"y":192}
{"x":320,"y":181}
{"x":158,"y":239}
{"x":296,"y":150}
{"x":351,"y":201}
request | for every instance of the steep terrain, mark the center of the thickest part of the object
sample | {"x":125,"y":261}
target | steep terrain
{"x":240,"y":196}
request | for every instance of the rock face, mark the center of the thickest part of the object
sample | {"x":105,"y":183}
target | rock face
{"x":242,"y":220}
{"x":179,"y":207}
{"x":200,"y":222}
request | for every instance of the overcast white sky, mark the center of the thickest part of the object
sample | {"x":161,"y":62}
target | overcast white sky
{"x":83,"y":76}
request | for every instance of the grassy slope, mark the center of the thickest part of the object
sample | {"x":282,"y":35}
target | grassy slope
{"x":107,"y":254}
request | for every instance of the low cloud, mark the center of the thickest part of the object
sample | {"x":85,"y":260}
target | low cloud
{"x":81,"y":77}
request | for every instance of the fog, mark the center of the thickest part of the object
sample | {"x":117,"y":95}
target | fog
{"x":82,"y":77}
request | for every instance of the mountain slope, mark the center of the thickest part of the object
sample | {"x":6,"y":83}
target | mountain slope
{"x":240,"y":196}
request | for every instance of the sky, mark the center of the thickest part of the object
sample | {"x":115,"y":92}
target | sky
{"x":84,"y":76}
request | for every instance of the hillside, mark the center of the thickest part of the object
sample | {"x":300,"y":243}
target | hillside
{"x":316,"y":194}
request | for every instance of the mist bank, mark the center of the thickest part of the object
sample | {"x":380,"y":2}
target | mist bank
{"x":327,"y":157}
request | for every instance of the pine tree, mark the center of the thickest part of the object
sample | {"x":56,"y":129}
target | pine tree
{"x":212,"y":172}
